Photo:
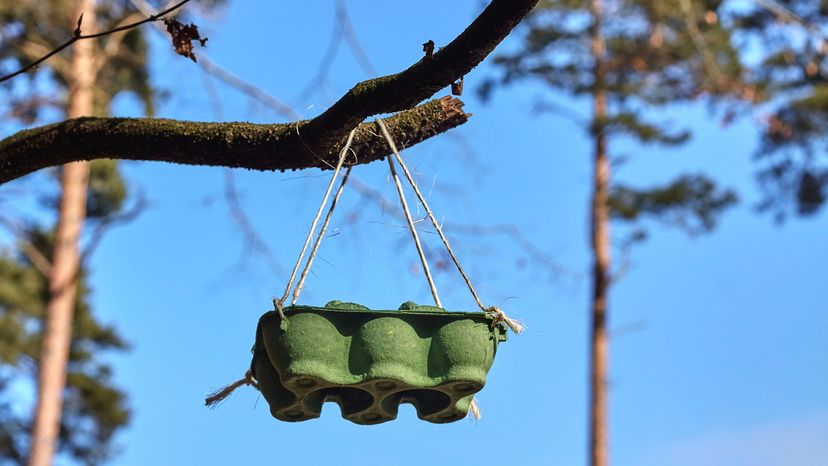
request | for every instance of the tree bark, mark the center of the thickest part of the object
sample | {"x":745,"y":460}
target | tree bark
{"x":57,"y":333}
{"x":297,"y":145}
{"x":239,"y":145}
{"x":600,"y":243}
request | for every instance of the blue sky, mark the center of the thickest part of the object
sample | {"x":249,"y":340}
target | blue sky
{"x":726,"y":364}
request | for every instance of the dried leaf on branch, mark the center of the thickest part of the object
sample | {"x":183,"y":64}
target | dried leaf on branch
{"x":183,"y":36}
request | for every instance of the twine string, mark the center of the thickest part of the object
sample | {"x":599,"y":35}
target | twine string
{"x":495,"y":312}
{"x":474,"y":410}
{"x":279,"y":303}
{"x":215,"y":398}
{"x":318,"y":241}
{"x":411,"y":225}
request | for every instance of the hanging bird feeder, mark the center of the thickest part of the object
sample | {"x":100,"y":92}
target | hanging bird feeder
{"x":369,"y":361}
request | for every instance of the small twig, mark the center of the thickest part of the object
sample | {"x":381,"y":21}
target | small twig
{"x":787,"y":15}
{"x":342,"y":29}
{"x":113,"y":44}
{"x":428,"y":48}
{"x":29,"y":150}
{"x":110,"y":221}
{"x":252,"y":237}
{"x":697,"y":38}
{"x":349,"y":33}
{"x":220,"y":73}
{"x":77,"y":35}
{"x":510,"y":231}
{"x":37,"y":258}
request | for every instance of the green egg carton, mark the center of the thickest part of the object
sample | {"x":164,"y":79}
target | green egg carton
{"x":370,"y":361}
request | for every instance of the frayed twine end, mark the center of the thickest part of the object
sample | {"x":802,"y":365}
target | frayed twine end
{"x":215,"y":398}
{"x":499,"y":316}
{"x":474,"y":410}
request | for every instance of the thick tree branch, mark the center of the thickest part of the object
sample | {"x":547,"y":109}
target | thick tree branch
{"x":403,"y":90}
{"x":245,"y":145}
{"x":303,"y":144}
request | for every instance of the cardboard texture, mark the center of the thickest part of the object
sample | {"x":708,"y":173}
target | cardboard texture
{"x":370,"y":361}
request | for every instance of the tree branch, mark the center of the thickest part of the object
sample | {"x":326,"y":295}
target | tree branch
{"x":244,"y":145}
{"x":76,"y":36}
{"x":400,"y":91}
{"x":304,"y":144}
{"x":215,"y":70}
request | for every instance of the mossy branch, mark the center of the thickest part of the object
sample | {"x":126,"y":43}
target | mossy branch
{"x":243,"y":145}
{"x":303,"y":144}
{"x":403,"y":90}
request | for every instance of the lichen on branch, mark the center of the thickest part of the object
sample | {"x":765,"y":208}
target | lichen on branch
{"x":302,"y":144}
{"x":244,"y":145}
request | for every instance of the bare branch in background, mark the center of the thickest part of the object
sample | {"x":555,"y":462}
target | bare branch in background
{"x":252,"y":238}
{"x":323,"y":69}
{"x":397,"y":92}
{"x":507,"y":230}
{"x":708,"y":60}
{"x":787,"y":15}
{"x":629,"y":329}
{"x":38,"y":260}
{"x":113,"y":43}
{"x":111,"y":221}
{"x":245,"y":87}
{"x":253,"y":241}
{"x":77,"y":35}
{"x":342,"y":29}
{"x":224,"y":75}
{"x":349,"y":33}
{"x":303,"y":144}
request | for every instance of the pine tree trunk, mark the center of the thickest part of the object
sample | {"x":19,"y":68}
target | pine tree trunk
{"x":57,"y":330}
{"x":599,"y":344}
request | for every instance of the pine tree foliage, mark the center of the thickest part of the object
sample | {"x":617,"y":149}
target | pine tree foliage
{"x":793,"y":150}
{"x":658,"y":53}
{"x":691,"y":202}
{"x":629,"y":58}
{"x":94,"y":409}
{"x":31,"y":27}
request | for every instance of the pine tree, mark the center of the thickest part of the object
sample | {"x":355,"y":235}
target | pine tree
{"x":628,"y":59}
{"x":93,"y":409}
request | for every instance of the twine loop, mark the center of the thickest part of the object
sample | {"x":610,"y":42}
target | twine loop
{"x":495,"y":312}
{"x":499,"y":316}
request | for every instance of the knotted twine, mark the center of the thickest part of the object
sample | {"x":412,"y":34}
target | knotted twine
{"x":279,"y":303}
{"x":213,"y":399}
{"x":218,"y":396}
{"x":494,"y":312}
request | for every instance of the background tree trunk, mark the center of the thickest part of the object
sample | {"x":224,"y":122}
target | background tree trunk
{"x":65,"y":263}
{"x":599,"y":350}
